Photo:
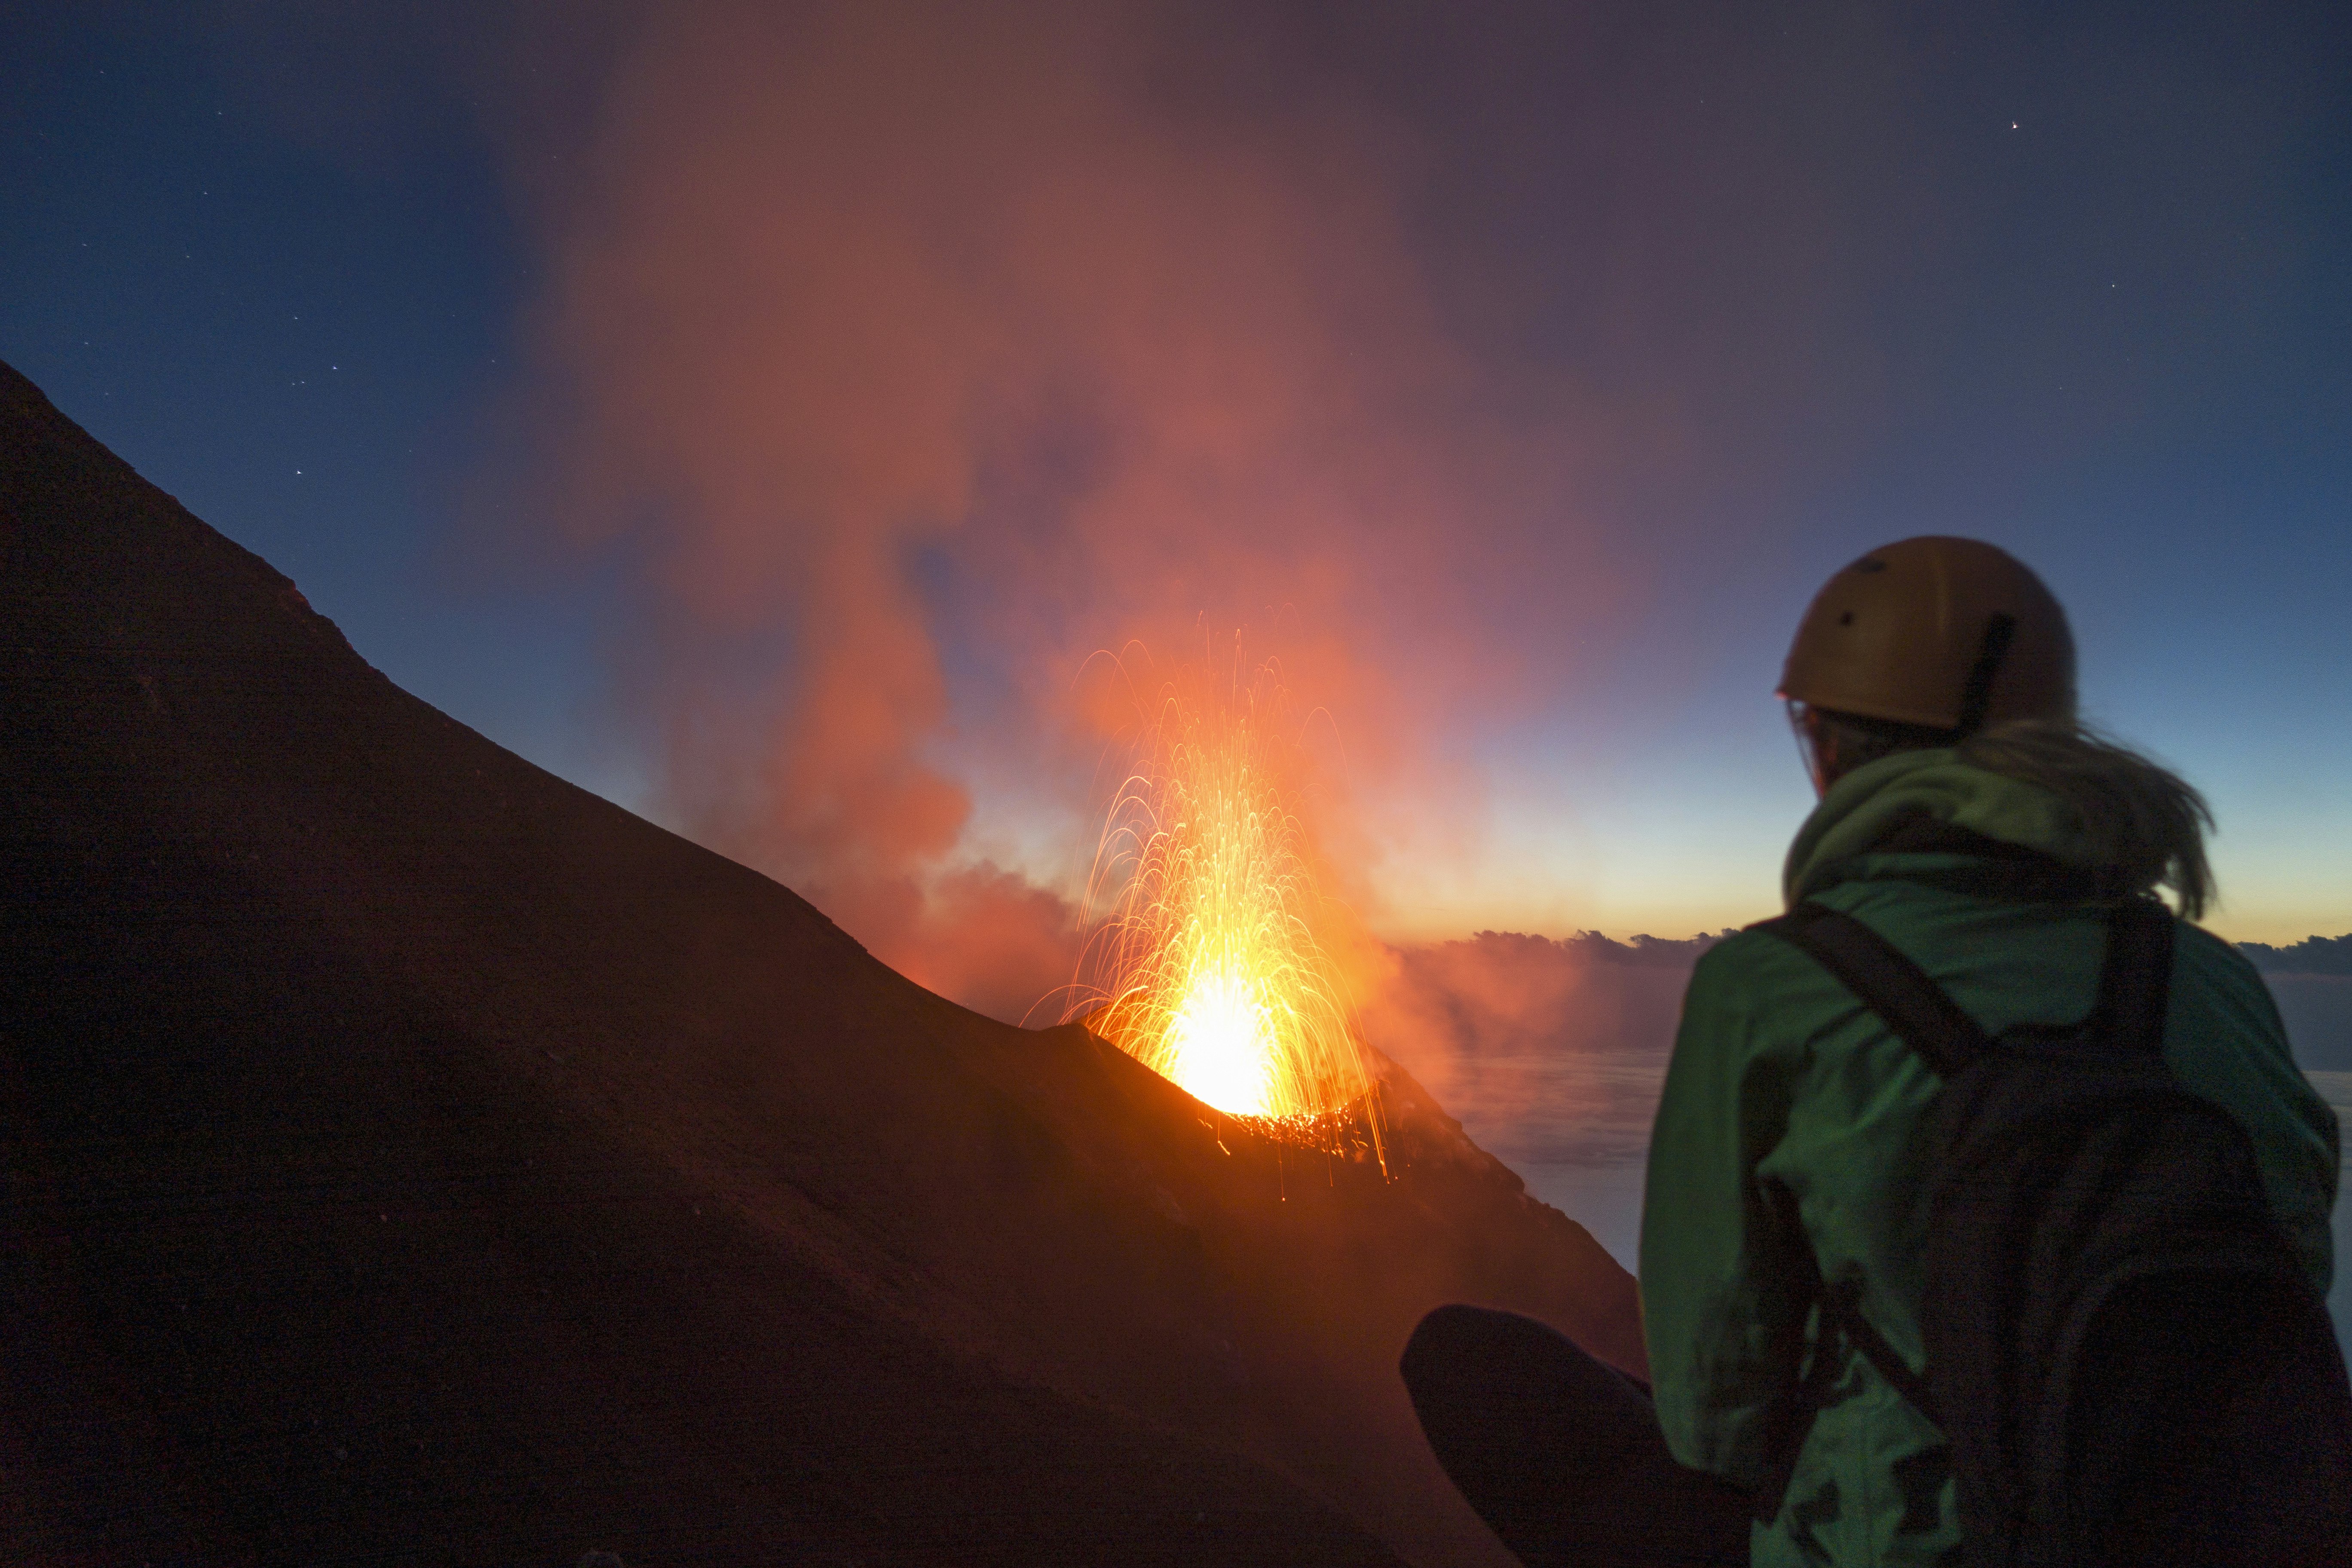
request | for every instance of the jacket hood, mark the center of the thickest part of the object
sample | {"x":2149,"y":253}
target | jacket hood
{"x":1861,"y":809}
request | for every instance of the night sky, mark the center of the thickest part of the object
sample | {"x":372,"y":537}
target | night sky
{"x":758,"y":415}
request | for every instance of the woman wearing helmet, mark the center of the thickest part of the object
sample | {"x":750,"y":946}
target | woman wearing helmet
{"x":1971,"y":825}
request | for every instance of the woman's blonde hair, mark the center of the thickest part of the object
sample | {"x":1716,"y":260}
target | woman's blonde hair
{"x":2144,"y":820}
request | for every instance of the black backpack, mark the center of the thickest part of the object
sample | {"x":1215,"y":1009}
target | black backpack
{"x":2130,"y":1363}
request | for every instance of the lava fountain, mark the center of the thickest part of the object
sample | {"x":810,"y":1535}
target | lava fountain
{"x":1202,"y":958}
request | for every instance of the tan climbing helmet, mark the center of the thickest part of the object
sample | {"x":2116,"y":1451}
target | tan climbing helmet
{"x":1948,"y":634}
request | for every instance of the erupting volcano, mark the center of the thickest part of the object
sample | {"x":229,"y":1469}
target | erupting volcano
{"x":637,"y":1206}
{"x":1202,"y":958}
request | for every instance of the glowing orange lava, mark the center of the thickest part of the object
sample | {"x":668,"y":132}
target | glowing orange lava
{"x":1201,"y":961}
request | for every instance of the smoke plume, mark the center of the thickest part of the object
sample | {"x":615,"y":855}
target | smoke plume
{"x":911,"y":353}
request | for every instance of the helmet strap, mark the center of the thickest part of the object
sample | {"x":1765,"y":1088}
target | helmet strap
{"x":1978,"y":694}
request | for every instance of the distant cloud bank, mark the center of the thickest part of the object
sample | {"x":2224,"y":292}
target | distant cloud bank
{"x":1550,"y":1050}
{"x":2312,"y":955}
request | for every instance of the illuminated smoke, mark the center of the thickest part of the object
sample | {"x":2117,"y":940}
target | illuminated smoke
{"x":908,"y":352}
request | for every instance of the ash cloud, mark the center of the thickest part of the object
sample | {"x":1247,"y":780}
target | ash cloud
{"x":902,"y":355}
{"x":911,"y":353}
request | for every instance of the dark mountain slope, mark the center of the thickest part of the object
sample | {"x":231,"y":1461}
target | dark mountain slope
{"x":409,"y":1157}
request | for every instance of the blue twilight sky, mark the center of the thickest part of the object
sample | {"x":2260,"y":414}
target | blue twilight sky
{"x":528,"y":341}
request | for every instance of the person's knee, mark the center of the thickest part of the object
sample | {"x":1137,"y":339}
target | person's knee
{"x":1459,"y":1345}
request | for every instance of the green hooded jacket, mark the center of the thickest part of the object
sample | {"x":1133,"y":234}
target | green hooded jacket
{"x":1779,"y":1073}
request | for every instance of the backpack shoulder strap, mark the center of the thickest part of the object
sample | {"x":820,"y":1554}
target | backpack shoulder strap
{"x":1894,"y":987}
{"x":2136,"y":981}
{"x":1948,"y":1039}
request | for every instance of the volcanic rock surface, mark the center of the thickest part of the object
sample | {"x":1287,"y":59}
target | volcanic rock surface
{"x":407,"y":1156}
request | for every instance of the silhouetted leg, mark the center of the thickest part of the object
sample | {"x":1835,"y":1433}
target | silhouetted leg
{"x":1560,"y":1455}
